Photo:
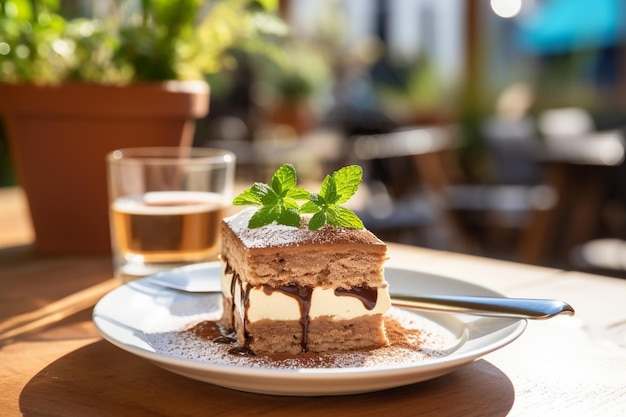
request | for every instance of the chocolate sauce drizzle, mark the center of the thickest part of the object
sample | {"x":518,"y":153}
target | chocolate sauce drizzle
{"x":303,"y":296}
{"x":367,"y":295}
{"x":245,"y":299}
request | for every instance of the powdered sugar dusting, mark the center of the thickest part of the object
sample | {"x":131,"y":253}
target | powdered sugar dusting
{"x":413,"y":339}
{"x":277,"y":235}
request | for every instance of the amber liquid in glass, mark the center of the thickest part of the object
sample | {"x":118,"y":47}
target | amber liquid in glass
{"x":167,"y":227}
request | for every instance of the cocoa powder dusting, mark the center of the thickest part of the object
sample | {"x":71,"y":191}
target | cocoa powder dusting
{"x":402,"y":337}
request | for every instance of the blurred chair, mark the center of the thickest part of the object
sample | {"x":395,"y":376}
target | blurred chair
{"x":442,"y":207}
{"x":514,"y":149}
{"x":404,"y":195}
{"x":502,"y":209}
{"x":579,"y":165}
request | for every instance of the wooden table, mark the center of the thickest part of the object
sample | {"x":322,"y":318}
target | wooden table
{"x":564,"y":366}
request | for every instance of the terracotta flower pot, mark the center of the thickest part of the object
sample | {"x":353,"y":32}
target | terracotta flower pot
{"x":59,"y":137}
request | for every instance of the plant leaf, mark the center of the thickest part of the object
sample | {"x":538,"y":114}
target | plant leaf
{"x":328,"y":191}
{"x":263,"y":216}
{"x":347,"y":181}
{"x":290,"y":203}
{"x":246,"y":198}
{"x":309,"y":208}
{"x":298,"y":193}
{"x":317,"y":220}
{"x":289,"y":217}
{"x":266,"y":194}
{"x":278,"y":202}
{"x":318,"y":199}
{"x":284,"y":178}
{"x":343,"y":217}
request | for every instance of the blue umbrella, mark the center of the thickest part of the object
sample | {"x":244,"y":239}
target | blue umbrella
{"x":560,"y":26}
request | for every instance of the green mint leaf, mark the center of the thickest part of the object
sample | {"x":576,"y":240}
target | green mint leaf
{"x":328,"y":191}
{"x":257,"y":194}
{"x":309,"y":208}
{"x":290,"y":203}
{"x":247,"y":198}
{"x":267,"y":196}
{"x":336,"y":189}
{"x":269,"y":214}
{"x":347,"y":181}
{"x":289,"y":217}
{"x":263,"y":216}
{"x":317,"y":199}
{"x":317,"y":220}
{"x":343,"y":217}
{"x":298,"y":193}
{"x":277,"y":202}
{"x":284,"y":178}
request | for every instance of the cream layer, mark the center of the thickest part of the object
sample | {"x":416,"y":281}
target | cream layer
{"x":324,"y":302}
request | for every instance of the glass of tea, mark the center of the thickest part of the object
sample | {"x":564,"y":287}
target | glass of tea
{"x":166,"y":205}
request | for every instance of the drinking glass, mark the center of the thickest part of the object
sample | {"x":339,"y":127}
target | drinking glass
{"x":166,"y":205}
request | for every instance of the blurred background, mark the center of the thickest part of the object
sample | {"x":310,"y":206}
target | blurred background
{"x":489,"y":127}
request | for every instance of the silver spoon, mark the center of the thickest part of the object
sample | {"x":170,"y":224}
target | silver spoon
{"x":182,"y":279}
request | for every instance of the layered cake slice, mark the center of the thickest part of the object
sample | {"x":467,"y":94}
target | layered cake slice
{"x":292,"y":290}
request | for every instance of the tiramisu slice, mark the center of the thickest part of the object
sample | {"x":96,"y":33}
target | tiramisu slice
{"x":292,"y":290}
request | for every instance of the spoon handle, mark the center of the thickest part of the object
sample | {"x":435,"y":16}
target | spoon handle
{"x":523,"y":308}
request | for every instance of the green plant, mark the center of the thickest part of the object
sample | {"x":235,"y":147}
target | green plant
{"x":298,"y":73}
{"x":277,"y":201}
{"x":125,"y":41}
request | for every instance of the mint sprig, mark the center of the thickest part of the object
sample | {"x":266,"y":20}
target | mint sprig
{"x":278,"y":201}
{"x":336,"y":189}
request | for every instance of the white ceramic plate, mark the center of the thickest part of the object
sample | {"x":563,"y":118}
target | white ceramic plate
{"x":130,"y":315}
